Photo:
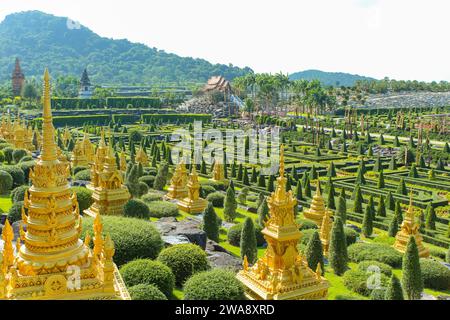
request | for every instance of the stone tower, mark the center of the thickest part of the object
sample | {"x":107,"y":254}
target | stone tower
{"x":85,"y":86}
{"x":18,"y":79}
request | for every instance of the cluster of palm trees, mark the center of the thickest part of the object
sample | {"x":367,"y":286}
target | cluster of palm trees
{"x":273,"y":93}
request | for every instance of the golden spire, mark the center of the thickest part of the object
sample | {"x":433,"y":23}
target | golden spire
{"x":410,"y":212}
{"x":98,"y":239}
{"x":8,"y":251}
{"x":48,"y":131}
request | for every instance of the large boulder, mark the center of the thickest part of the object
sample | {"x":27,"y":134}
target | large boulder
{"x":189,"y":228}
{"x":219,"y":257}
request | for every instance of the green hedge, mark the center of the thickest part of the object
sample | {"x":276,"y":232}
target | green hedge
{"x":375,"y":252}
{"x":76,"y":103}
{"x":77,"y":121}
{"x":136,"y":102}
{"x":146,"y":292}
{"x":173,"y":118}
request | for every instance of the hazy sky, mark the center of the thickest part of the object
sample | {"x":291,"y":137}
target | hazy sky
{"x":401,"y":39}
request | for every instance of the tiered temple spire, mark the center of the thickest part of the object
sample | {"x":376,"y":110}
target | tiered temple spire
{"x":193,"y":203}
{"x":282,"y":273}
{"x":410,"y":228}
{"x":51,"y":244}
{"x":317,"y":210}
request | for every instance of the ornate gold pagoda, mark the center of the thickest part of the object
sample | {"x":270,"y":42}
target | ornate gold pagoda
{"x":178,"y":184}
{"x":218,"y":173}
{"x":193,"y":203}
{"x":410,"y":228}
{"x":282,"y":273}
{"x":108,"y":191}
{"x":83,"y":153}
{"x":17,"y":133}
{"x":317,"y":210}
{"x":325,"y":232}
{"x":142,"y":157}
{"x":53,"y":263}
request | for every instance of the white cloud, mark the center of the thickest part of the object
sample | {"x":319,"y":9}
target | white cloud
{"x":402,"y":39}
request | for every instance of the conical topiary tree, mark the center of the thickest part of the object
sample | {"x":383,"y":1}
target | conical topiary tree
{"x":394,"y":290}
{"x":357,"y":205}
{"x":331,"y":201}
{"x":331,"y":172}
{"x":401,"y":188}
{"x":430,"y":222}
{"x":381,"y":209}
{"x":210,"y":223}
{"x":398,"y":213}
{"x":381,"y":183}
{"x":314,"y":252}
{"x":230,"y":205}
{"x":245,"y":180}
{"x":360,"y":176}
{"x":161,"y":176}
{"x":308,"y":189}
{"x":390,"y":202}
{"x":260,"y":200}
{"x":412,"y":281}
{"x":393,"y":227}
{"x":254,"y":178}
{"x":342,"y":209}
{"x":248,"y":241}
{"x":367,"y":225}
{"x":337,"y":255}
{"x":298,"y":191}
{"x":413,"y":171}
{"x":263,"y":213}
{"x":393,"y":164}
{"x":447,"y":256}
{"x":261,"y":181}
{"x":271,"y":183}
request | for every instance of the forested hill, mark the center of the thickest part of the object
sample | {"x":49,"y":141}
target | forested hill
{"x":41,"y":40}
{"x":329,"y":78}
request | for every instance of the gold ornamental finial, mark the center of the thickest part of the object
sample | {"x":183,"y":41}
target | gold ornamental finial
{"x":98,"y":238}
{"x":48,"y":131}
{"x":8,"y":251}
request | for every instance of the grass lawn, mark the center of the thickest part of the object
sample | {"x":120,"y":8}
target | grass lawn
{"x":5,"y":203}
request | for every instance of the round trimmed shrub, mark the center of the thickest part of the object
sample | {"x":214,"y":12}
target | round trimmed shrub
{"x":83,"y":175}
{"x":146,"y":292}
{"x":146,"y":271}
{"x":206,"y":190}
{"x":217,"y":198}
{"x":384,"y":268}
{"x":18,"y":194}
{"x":136,"y":209}
{"x":435,"y":275}
{"x":378,"y":294}
{"x":84,"y":197}
{"x":6,"y":182}
{"x":133,"y":238}
{"x":79,"y":168}
{"x":160,"y":209}
{"x":148,"y":180}
{"x":150,"y":171}
{"x":152,"y":196}
{"x":26,"y":159}
{"x":234,"y":235}
{"x":143,"y":188}
{"x":220,"y":186}
{"x":350,"y":235}
{"x":216,"y":284}
{"x":184,"y":260}
{"x":16,"y":173}
{"x":357,"y":280}
{"x":358,"y":252}
{"x":18,"y":154}
{"x":15,"y":212}
{"x":26,"y":166}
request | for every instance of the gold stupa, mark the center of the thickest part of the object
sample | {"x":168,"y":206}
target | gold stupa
{"x":317,"y":210}
{"x":410,"y":228}
{"x":193,"y":203}
{"x":142,"y":157}
{"x":282,"y":273}
{"x":325,"y":232}
{"x":108,"y":191}
{"x":17,"y":133}
{"x":53,"y":263}
{"x":178,"y":183}
{"x":218,"y":173}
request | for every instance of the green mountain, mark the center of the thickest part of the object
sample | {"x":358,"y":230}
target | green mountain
{"x":42,"y":40}
{"x":329,"y":78}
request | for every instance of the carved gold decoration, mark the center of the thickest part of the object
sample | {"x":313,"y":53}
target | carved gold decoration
{"x":282,"y":274}
{"x":178,"y":183}
{"x":193,"y":203}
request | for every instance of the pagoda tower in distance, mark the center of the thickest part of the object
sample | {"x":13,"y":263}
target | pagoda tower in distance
{"x":51,"y":261}
{"x":86,"y":91}
{"x":18,"y":79}
{"x":108,"y":191}
{"x":282,"y":273}
{"x":410,"y":228}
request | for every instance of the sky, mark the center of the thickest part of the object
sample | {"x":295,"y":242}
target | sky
{"x":399,"y":39}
